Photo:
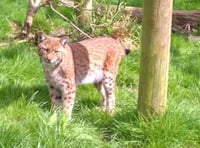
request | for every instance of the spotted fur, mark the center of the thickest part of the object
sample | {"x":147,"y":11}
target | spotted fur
{"x":66,"y":65}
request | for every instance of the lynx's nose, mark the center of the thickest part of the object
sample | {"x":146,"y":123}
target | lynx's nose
{"x":49,"y":58}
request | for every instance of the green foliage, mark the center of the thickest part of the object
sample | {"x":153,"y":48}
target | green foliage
{"x":177,"y":4}
{"x":135,"y":3}
{"x":186,"y":4}
{"x":8,"y":14}
{"x":26,"y":119}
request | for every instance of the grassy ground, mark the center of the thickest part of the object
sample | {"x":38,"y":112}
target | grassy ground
{"x":26,"y":119}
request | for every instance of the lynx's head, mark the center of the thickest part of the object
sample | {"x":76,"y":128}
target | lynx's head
{"x":124,"y":38}
{"x":51,"y":49}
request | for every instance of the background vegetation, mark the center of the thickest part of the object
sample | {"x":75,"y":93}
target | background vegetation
{"x":26,"y":119}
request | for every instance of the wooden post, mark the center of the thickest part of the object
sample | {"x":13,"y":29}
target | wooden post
{"x":154,"y":65}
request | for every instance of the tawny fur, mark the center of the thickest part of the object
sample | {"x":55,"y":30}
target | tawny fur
{"x":66,"y":65}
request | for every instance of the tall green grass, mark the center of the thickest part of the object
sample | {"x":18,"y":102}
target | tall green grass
{"x":26,"y":119}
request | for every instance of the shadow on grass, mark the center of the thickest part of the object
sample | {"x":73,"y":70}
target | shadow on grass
{"x":109,"y":126}
{"x":37,"y":93}
{"x":119,"y":126}
{"x":15,"y":50}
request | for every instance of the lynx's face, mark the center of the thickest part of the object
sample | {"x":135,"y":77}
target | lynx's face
{"x":50,"y":50}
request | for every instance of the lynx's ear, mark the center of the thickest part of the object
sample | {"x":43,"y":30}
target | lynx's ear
{"x":41,"y":37}
{"x":63,"y":41}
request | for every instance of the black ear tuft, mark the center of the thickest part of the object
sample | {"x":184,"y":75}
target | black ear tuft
{"x":63,"y":41}
{"x":41,"y":37}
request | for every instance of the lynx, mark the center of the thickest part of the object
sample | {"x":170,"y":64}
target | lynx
{"x":66,"y":65}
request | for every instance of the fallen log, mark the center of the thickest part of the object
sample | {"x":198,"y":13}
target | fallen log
{"x":182,"y":20}
{"x":186,"y":20}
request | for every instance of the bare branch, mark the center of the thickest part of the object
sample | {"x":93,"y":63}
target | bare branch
{"x":37,"y":3}
{"x":34,"y":5}
{"x":69,"y":4}
{"x":66,"y":19}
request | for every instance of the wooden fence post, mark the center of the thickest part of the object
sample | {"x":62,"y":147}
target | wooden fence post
{"x":154,"y":65}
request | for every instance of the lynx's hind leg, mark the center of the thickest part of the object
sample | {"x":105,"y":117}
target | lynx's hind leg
{"x":102,"y":92}
{"x":109,"y":86}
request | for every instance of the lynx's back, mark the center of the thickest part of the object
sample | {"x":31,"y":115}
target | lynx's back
{"x":93,"y":56}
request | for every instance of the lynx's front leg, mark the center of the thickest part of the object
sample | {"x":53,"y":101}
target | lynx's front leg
{"x":68,"y":97}
{"x":56,"y":97}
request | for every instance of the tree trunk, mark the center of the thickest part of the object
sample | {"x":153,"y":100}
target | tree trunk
{"x":84,"y":11}
{"x":156,"y":33}
{"x":32,"y":9}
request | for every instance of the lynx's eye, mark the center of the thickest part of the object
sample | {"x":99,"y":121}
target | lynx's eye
{"x":40,"y":53}
{"x":45,"y":50}
{"x":57,"y":52}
